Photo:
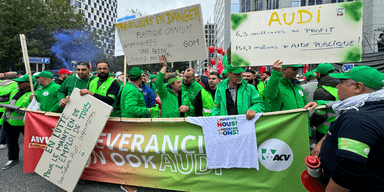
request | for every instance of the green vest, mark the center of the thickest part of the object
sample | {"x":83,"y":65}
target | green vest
{"x":23,"y":101}
{"x":103,"y":88}
{"x":331,"y":116}
{"x":260,"y":88}
{"x":208,"y":103}
{"x":5,"y":90}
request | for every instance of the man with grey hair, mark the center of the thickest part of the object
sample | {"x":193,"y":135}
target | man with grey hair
{"x":190,"y":85}
{"x":6,"y":87}
{"x":352,"y":150}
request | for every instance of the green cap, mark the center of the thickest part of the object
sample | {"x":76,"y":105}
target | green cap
{"x":294,"y":66}
{"x":369,"y":76}
{"x":235,"y":70}
{"x":45,"y":74}
{"x":135,"y":72}
{"x":224,"y":72}
{"x":309,"y":75}
{"x":324,"y":68}
{"x":94,"y":72}
{"x":152,"y":77}
{"x":24,"y":78}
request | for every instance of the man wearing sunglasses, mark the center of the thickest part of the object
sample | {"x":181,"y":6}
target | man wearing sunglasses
{"x":81,"y":81}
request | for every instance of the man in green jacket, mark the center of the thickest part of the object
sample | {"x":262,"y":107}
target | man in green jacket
{"x":46,"y":95}
{"x":6,"y":87}
{"x":81,"y":81}
{"x":174,"y":100}
{"x":234,"y":96}
{"x":132,"y":103}
{"x":283,"y":91}
{"x":14,"y":124}
{"x":152,"y":83}
{"x":190,"y":85}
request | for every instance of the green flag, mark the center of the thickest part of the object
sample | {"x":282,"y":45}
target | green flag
{"x":225,"y":61}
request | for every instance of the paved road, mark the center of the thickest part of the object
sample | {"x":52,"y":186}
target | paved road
{"x":13,"y":179}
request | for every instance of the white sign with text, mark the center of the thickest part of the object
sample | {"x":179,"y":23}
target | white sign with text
{"x":303,"y":35}
{"x":73,"y":140}
{"x":178,"y":34}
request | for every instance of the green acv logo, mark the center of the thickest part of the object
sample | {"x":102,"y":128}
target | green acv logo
{"x":267,"y":155}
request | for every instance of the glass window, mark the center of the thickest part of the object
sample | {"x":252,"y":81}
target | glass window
{"x":91,"y":9}
{"x":319,"y":2}
{"x":107,"y":5}
{"x":107,"y":16}
{"x":100,"y":8}
{"x":85,"y":6}
{"x":92,"y":23}
{"x":311,"y":2}
{"x":97,"y":1}
{"x":102,"y":3}
{"x":78,"y":4}
{"x":97,"y":12}
{"x":94,"y":5}
{"x":102,"y":15}
{"x":100,"y":20}
{"x":105,"y":10}
{"x":89,"y":2}
{"x":97,"y":25}
{"x":89,"y":15}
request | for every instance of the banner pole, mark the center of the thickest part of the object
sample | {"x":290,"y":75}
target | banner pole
{"x":125,"y":71}
{"x":28,"y":67}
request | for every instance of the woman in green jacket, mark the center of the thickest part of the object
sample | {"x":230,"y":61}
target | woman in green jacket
{"x":174,"y":101}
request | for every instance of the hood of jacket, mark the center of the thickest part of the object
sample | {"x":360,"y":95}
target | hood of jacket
{"x":329,"y":81}
{"x":6,"y":82}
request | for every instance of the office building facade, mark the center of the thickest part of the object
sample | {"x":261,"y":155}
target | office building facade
{"x":100,"y":16}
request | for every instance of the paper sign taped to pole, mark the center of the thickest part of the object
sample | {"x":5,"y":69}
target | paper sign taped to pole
{"x":178,"y":34}
{"x":313,"y":34}
{"x":73,"y":140}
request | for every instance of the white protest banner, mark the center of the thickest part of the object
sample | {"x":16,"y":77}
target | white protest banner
{"x":314,"y":34}
{"x":73,"y":140}
{"x":178,"y":34}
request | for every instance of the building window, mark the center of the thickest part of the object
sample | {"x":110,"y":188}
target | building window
{"x":97,"y":25}
{"x":319,"y":2}
{"x":85,"y":6}
{"x":94,"y":17}
{"x":102,"y":15}
{"x":91,"y":9}
{"x":102,"y":3}
{"x":311,"y":2}
{"x":105,"y":10}
{"x":100,"y":8}
{"x":100,"y":20}
{"x":97,"y":1}
{"x":107,"y":5}
{"x":89,"y":2}
{"x":97,"y":12}
{"x":89,"y":15}
{"x":107,"y":16}
{"x":94,"y":5}
{"x":78,"y":4}
{"x":92,"y":23}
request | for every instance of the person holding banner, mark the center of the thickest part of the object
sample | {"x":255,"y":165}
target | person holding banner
{"x":103,"y":87}
{"x":7,"y":86}
{"x":234,"y":96}
{"x":132,"y":103}
{"x":190,"y":85}
{"x":174,"y":100}
{"x":81,"y":81}
{"x":352,"y":150}
{"x":46,"y":95}
{"x":14,"y":119}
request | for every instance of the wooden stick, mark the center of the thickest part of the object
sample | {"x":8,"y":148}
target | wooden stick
{"x":125,"y":71}
{"x":27,"y":63}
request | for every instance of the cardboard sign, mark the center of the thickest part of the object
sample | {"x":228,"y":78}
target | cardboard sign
{"x":314,"y":34}
{"x":73,"y":140}
{"x":178,"y":34}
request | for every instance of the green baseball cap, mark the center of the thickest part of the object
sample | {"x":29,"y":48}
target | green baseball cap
{"x":309,"y":75}
{"x":294,"y":66}
{"x":324,"y":68}
{"x":135,"y":72}
{"x":24,"y":78}
{"x":152,"y":76}
{"x":235,"y":70}
{"x":45,"y":74}
{"x":369,"y":76}
{"x":94,"y":72}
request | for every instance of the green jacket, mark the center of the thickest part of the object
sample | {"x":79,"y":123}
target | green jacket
{"x":152,"y":86}
{"x":6,"y":87}
{"x":260,"y":88}
{"x":247,"y":99}
{"x":67,"y":87}
{"x":132,"y":103}
{"x":169,"y":100}
{"x":47,"y":96}
{"x":280,"y":94}
{"x":192,"y":90}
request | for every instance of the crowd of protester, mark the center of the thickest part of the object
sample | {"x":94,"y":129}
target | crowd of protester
{"x":236,"y":91}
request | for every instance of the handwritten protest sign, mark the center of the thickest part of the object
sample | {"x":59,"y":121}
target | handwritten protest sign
{"x":73,"y":140}
{"x":313,"y":34}
{"x":178,"y":34}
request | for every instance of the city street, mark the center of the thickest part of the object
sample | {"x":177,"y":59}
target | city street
{"x":13,"y":179}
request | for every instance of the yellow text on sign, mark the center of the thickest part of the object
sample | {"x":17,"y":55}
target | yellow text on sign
{"x":300,"y":13}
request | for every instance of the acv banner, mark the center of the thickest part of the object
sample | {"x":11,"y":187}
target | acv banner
{"x":172,"y":155}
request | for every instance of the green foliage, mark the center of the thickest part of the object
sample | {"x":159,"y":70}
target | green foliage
{"x":28,"y":17}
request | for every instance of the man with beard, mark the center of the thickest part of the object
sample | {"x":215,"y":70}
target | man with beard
{"x":103,"y":87}
{"x":250,"y":76}
{"x":190,"y":85}
{"x":14,"y":119}
{"x":234,"y":96}
{"x":81,"y":81}
{"x":204,"y":100}
{"x":174,"y":100}
{"x":63,"y":74}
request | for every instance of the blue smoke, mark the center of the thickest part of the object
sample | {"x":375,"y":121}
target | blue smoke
{"x":75,"y":46}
